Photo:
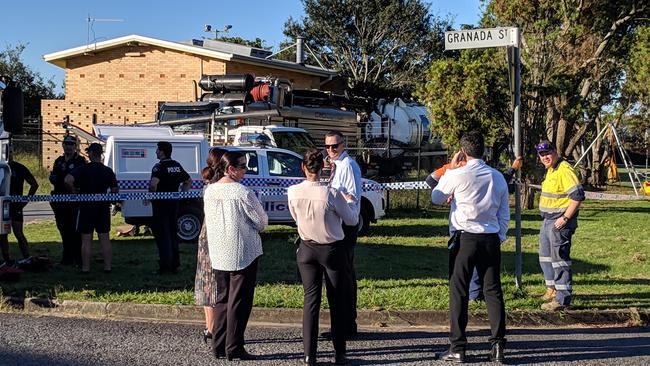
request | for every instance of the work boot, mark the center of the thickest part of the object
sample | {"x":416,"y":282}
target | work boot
{"x":549,"y":294}
{"x":554,"y":306}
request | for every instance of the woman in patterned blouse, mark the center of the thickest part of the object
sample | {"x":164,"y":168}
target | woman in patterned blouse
{"x":234,"y":217}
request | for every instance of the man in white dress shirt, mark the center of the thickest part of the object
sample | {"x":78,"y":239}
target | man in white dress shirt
{"x":478,"y":224}
{"x":346,"y":178}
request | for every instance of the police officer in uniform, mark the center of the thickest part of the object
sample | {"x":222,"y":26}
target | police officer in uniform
{"x":166,"y":176}
{"x":65,"y":213}
{"x":93,"y":178}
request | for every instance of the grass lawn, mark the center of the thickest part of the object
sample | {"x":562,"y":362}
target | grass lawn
{"x":401,"y":265}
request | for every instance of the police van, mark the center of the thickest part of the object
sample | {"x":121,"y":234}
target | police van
{"x":270,"y":167}
{"x":131,"y":152}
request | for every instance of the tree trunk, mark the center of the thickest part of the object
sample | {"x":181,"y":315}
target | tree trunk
{"x":528,"y":197}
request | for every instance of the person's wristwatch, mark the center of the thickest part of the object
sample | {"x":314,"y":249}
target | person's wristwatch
{"x":566,"y":219}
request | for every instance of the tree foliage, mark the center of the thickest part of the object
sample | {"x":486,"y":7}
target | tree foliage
{"x":34,"y":86}
{"x":257,"y":42}
{"x":637,"y":73}
{"x":575,"y":54}
{"x":375,"y":44}
{"x":469,"y":92}
{"x":574,"y":51}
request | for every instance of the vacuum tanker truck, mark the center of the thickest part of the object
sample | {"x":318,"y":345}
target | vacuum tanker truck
{"x":385,"y":137}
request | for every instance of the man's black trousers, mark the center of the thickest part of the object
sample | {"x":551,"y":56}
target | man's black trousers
{"x":65,"y":214}
{"x":351,"y":235}
{"x":314,"y":261}
{"x":235,"y":292}
{"x":482,"y":251}
{"x":165,"y":232}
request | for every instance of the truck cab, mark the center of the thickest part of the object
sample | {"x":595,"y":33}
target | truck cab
{"x":288,"y":138}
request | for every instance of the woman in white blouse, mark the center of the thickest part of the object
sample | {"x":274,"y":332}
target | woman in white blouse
{"x":234,"y":217}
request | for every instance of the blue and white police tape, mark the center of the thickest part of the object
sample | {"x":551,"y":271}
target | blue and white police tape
{"x":129,"y":196}
{"x":601,"y":196}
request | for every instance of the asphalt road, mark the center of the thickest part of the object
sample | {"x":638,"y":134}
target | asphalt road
{"x":41,"y":340}
{"x":37,"y":211}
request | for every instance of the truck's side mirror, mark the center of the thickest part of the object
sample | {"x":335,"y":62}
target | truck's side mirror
{"x":13,"y":109}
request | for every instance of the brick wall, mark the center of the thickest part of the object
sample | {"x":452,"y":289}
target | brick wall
{"x":81,"y":114}
{"x":144,"y":73}
{"x":149,"y":73}
{"x":124,"y":85}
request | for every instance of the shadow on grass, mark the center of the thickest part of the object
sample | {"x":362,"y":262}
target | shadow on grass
{"x":135,"y":260}
{"x":428,"y":231}
{"x":410,"y":230}
{"x":595,"y":212}
{"x":616,"y":301}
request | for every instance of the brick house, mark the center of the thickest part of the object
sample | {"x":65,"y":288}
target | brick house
{"x":123,"y":80}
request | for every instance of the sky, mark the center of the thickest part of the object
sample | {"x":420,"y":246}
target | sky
{"x":47,"y":26}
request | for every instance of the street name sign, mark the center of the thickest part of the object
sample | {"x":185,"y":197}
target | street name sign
{"x":481,"y":38}
{"x":500,"y":37}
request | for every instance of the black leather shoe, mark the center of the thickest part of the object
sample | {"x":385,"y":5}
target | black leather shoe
{"x":341,"y":359}
{"x":496,"y":355}
{"x":242,"y":355}
{"x":309,"y":360}
{"x":458,"y":357}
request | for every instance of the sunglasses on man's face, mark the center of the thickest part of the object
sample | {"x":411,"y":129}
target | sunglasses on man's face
{"x":333,"y":146}
{"x":241,"y":166}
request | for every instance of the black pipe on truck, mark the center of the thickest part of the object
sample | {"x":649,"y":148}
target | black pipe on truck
{"x":227,"y":83}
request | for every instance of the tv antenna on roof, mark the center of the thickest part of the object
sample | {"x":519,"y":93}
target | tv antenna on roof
{"x":209,"y":29}
{"x":91,"y":22}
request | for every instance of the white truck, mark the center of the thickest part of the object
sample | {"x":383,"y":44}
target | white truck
{"x":130,"y":152}
{"x":288,"y":138}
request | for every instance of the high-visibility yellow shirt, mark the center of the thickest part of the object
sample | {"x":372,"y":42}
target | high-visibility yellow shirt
{"x":558,"y":185}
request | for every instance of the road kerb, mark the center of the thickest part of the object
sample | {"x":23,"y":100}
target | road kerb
{"x":365,"y":318}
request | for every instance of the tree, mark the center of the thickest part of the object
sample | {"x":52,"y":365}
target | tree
{"x":574,"y":54}
{"x":637,"y":75}
{"x":469,"y":91}
{"x":257,"y":42}
{"x":34,"y":86}
{"x":376,"y":44}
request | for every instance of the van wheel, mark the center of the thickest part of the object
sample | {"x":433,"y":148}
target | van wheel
{"x":364,"y":219}
{"x":189,"y":223}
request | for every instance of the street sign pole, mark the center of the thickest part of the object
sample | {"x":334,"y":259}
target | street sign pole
{"x":518,"y":152}
{"x":501,"y":37}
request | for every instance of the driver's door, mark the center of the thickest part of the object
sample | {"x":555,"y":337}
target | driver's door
{"x":284,"y":170}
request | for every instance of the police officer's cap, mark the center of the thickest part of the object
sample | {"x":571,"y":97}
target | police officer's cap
{"x":69,"y":139}
{"x":95,"y":148}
